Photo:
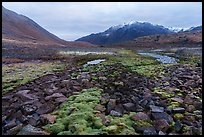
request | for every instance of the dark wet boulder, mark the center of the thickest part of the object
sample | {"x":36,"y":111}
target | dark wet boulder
{"x":161,"y":133}
{"x":111,"y":105}
{"x":150,"y":131}
{"x":14,"y":130}
{"x":10,"y":124}
{"x":141,"y":125}
{"x":178,"y":126}
{"x":129,"y":106}
{"x":199,"y":64}
{"x":28,"y":109}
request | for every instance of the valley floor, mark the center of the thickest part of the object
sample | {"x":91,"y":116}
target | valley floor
{"x":127,"y":94}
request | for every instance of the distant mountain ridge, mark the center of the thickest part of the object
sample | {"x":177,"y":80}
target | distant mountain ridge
{"x":129,"y":31}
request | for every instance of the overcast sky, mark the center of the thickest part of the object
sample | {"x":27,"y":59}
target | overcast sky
{"x":72,"y":20}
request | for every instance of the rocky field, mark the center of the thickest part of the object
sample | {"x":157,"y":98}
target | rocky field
{"x":126,"y":94}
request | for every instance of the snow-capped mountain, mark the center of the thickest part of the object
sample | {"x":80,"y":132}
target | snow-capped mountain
{"x":125,"y":32}
{"x":177,"y":29}
{"x":195,"y":28}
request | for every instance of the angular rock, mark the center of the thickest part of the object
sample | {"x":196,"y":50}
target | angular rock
{"x":47,"y":118}
{"x":78,"y":88}
{"x":104,"y":99}
{"x":161,"y":125}
{"x":140,"y":116}
{"x":86,"y":83}
{"x":23,"y":95}
{"x":102,"y":78}
{"x":115,"y":113}
{"x":178,"y":126}
{"x":129,"y":106}
{"x":14,"y":130}
{"x":198,"y":105}
{"x":188,"y":100}
{"x":156,"y":109}
{"x":45,"y":108}
{"x":168,"y":110}
{"x":7,"y":98}
{"x":141,"y":129}
{"x":135,"y":99}
{"x":180,"y":100}
{"x":30,"y":130}
{"x":11,"y":124}
{"x":32,"y":121}
{"x":161,"y":133}
{"x":162,"y":115}
{"x":111,"y":105}
{"x":55,"y":95}
{"x":150,"y":131}
{"x":178,"y":110}
{"x":61,"y":99}
{"x":119,"y":108}
{"x":139,"y":108}
{"x":143,"y":102}
{"x":28,"y":109}
{"x":23,"y":119}
{"x":85,"y":75}
{"x":65,"y":83}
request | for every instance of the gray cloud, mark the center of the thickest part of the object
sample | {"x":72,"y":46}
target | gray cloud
{"x":72,"y":20}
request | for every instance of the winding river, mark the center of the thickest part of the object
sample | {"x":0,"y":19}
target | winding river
{"x":161,"y":58}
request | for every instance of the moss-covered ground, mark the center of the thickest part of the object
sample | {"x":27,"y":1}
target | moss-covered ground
{"x":14,"y":75}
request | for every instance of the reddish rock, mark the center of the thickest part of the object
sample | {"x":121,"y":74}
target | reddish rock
{"x":48,"y":118}
{"x":140,"y":116}
{"x":161,"y":125}
{"x":100,"y":108}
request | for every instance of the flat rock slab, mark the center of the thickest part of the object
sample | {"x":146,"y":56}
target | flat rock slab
{"x":55,"y":95}
{"x":179,"y":110}
{"x":156,"y":109}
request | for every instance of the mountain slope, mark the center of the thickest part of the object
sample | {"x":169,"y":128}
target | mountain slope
{"x":15,"y":26}
{"x":125,"y":32}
